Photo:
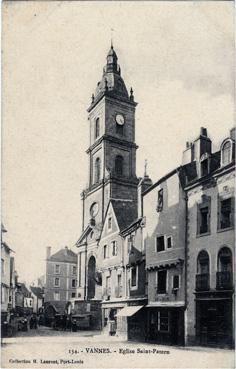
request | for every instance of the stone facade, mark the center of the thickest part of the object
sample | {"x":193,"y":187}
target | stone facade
{"x":164,"y":208}
{"x":210,"y":293}
{"x":61,"y":276}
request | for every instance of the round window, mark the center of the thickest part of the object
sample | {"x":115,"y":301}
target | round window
{"x":94,"y":209}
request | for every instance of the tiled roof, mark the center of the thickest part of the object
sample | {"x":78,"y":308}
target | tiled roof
{"x":37,"y":291}
{"x":64,"y":255}
{"x":125,"y":211}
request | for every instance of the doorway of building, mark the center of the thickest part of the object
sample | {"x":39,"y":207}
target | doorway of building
{"x":91,"y":277}
{"x":214,"y":322}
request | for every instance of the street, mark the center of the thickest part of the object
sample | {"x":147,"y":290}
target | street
{"x":48,"y":348}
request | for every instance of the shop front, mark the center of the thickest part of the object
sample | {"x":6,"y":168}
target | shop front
{"x":214,"y":326}
{"x":165,"y":325}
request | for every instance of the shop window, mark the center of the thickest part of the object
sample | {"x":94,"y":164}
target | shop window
{"x":134,"y":276}
{"x":161,"y":281}
{"x":160,"y":243}
{"x":57,"y":282}
{"x":56,"y":296}
{"x":160,"y":200}
{"x":119,"y":162}
{"x":114,"y":248}
{"x":97,"y":128}
{"x":163,"y":320}
{"x":226,"y":213}
{"x":57,"y":269}
{"x":73,"y":283}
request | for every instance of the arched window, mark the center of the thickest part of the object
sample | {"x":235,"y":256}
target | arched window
{"x":224,"y":266}
{"x":97,"y":128}
{"x":203,"y":263}
{"x":226,"y":153}
{"x":97,"y":170}
{"x":119,"y":165}
{"x":225,"y":260}
{"x":202,"y":277}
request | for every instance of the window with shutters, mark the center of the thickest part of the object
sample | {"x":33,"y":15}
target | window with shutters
{"x":161,"y":281}
{"x":203,"y":216}
{"x":226,"y":213}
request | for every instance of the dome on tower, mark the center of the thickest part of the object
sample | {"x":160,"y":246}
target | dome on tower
{"x":111,"y":84}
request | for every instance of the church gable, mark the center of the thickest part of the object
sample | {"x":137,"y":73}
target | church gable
{"x":110,"y":225}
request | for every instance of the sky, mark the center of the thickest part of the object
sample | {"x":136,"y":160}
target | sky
{"x":177,"y":56}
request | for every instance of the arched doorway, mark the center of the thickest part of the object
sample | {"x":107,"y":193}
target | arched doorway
{"x":91,"y":277}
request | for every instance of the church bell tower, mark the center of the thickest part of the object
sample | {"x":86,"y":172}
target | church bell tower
{"x":112,"y":148}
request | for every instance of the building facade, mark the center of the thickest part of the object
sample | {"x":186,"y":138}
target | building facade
{"x":164,"y":208}
{"x":112,"y":167}
{"x":210,"y":247}
{"x":61,"y":276}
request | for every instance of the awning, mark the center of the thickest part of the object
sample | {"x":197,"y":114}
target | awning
{"x":129,"y":310}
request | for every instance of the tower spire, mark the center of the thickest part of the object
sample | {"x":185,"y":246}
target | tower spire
{"x":145,"y":167}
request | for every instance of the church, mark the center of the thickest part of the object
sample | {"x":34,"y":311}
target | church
{"x":147,"y":270}
{"x":110,"y":205}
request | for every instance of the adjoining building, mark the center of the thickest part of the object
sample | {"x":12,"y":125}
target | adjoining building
{"x":8,"y":278}
{"x":211,"y":241}
{"x":164,"y":208}
{"x":61,"y":280}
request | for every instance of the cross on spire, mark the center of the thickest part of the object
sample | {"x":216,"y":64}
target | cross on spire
{"x":145,"y":168}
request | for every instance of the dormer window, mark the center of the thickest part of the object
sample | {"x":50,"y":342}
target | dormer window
{"x":97,"y":128}
{"x":204,"y":164}
{"x":226,"y":153}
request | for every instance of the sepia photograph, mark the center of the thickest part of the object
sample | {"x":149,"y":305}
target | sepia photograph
{"x":118,"y":184}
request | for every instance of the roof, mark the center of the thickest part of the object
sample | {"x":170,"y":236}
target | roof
{"x":64,"y":255}
{"x":132,"y":226}
{"x":125,"y":212}
{"x":22,"y":287}
{"x":37,"y":291}
{"x":164,"y":178}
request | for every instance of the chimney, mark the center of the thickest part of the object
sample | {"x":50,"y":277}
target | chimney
{"x":48,"y":252}
{"x":203,"y":132}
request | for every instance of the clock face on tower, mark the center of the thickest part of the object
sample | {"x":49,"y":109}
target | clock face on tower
{"x":120,"y":119}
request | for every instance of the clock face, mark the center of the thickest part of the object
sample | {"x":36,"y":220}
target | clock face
{"x":120,"y":119}
{"x":94,"y":209}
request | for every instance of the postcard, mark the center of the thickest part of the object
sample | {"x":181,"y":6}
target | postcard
{"x":118,"y":182}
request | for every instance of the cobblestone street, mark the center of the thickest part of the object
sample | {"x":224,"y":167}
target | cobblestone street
{"x":48,"y":348}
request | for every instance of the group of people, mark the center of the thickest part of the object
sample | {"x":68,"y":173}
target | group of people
{"x":64,"y":322}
